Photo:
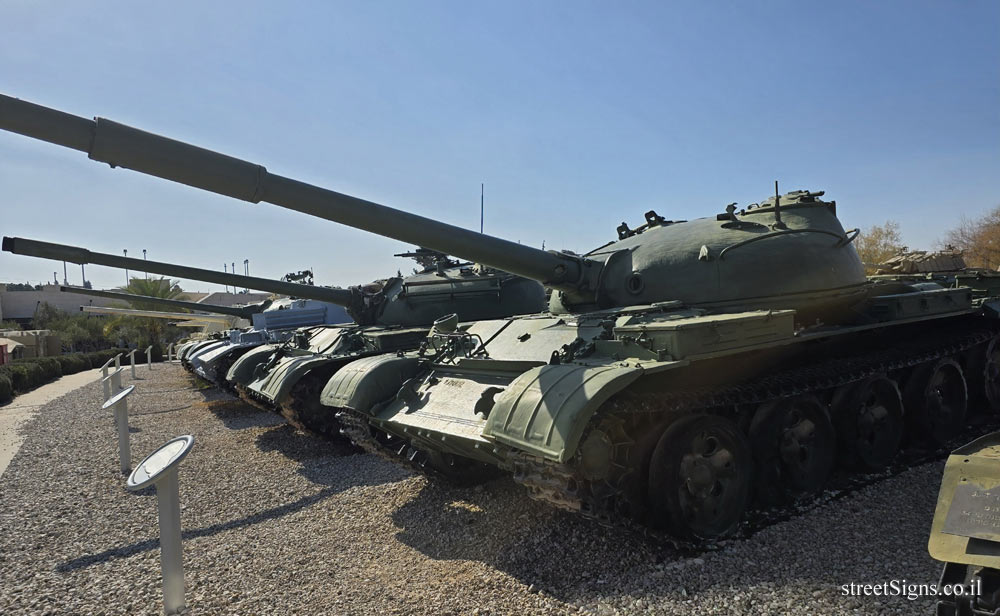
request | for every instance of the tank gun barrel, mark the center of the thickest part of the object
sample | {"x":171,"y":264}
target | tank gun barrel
{"x":122,"y":146}
{"x":244,"y":312}
{"x":154,"y":314}
{"x":74,"y":254}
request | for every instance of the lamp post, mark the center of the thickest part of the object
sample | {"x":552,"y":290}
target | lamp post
{"x":144,"y":258}
{"x":125,"y":250}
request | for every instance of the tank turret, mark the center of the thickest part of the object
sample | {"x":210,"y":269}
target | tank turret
{"x":243,"y":312}
{"x":790,"y":249}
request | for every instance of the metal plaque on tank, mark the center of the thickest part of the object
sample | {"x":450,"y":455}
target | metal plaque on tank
{"x":966,"y":527}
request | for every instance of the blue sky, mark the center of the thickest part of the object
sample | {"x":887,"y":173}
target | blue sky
{"x":576,"y":115}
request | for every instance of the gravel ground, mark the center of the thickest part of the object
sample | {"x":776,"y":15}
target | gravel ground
{"x":278,"y":522}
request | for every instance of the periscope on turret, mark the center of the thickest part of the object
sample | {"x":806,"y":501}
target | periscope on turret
{"x":683,"y":372}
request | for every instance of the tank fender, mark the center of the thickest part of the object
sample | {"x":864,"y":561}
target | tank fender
{"x":242,"y":370}
{"x":363,"y":383}
{"x":292,"y":370}
{"x":991,"y":309}
{"x":546,"y":409}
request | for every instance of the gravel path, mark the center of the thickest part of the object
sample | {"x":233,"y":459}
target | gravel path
{"x":277,"y":522}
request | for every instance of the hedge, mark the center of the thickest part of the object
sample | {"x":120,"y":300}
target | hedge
{"x":22,"y":375}
{"x":6,"y":388}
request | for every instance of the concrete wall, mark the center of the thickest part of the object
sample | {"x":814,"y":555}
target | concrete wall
{"x":21,"y":305}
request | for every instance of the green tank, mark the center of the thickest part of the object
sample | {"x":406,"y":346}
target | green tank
{"x":965,"y":533}
{"x":287,"y":378}
{"x":682,"y":370}
{"x":284,"y":371}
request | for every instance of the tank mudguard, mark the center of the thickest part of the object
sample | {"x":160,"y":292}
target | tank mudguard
{"x":242,"y":370}
{"x":991,"y":309}
{"x":363,"y":383}
{"x":278,"y":383}
{"x":546,"y":409}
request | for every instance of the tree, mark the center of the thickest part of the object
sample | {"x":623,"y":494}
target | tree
{"x":978,"y":239}
{"x":878,"y":244}
{"x":78,"y":332}
{"x":143,"y":331}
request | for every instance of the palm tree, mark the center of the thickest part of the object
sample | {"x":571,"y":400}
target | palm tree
{"x":163,"y":288}
{"x":146,"y":331}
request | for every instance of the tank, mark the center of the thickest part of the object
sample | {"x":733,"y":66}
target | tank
{"x":289,"y":377}
{"x":684,"y":369}
{"x":965,"y":533}
{"x":289,"y":369}
{"x":923,"y":262}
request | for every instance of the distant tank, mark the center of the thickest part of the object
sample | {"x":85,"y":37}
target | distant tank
{"x":923,"y":262}
{"x":965,"y":533}
{"x":944,"y":267}
{"x":682,"y":370}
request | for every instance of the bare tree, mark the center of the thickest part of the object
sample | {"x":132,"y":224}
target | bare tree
{"x":878,"y":244}
{"x":978,"y":239}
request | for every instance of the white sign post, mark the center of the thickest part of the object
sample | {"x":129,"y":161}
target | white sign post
{"x":160,"y":469}
{"x":113,"y":382}
{"x":104,"y":378}
{"x":131,"y":360}
{"x":170,"y":353}
{"x":118,"y":361}
{"x":149,"y":356}
{"x":120,"y":407}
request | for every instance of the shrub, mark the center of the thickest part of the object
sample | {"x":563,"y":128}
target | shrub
{"x":51,"y":368}
{"x":25,"y":376}
{"x":73,"y":363}
{"x":6,"y":388}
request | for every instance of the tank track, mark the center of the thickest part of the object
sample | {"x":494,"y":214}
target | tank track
{"x":354,"y":425}
{"x":304,"y":394}
{"x":559,"y":485}
{"x":250,"y":398}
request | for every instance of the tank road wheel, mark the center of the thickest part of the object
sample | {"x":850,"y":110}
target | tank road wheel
{"x":935,"y":399}
{"x":700,"y":477}
{"x":794,"y":446}
{"x":983,"y":376}
{"x":868,"y":417}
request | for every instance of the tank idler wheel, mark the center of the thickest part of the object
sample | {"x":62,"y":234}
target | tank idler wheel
{"x":794,"y":446}
{"x":935,"y":399}
{"x":868,"y":417}
{"x":460,"y":470}
{"x":983,"y":376}
{"x":700,"y":477}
